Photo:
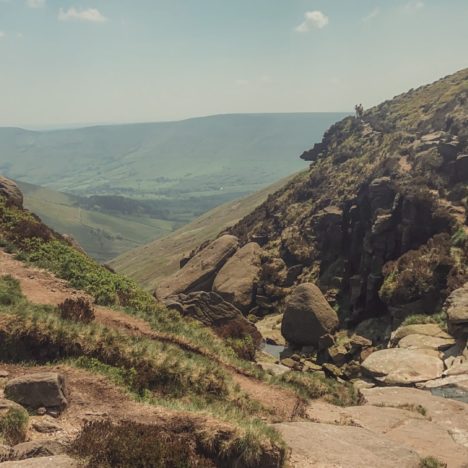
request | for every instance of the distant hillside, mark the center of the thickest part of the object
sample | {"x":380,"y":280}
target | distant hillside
{"x":149,"y":263}
{"x":225,"y":154}
{"x":102,"y":235}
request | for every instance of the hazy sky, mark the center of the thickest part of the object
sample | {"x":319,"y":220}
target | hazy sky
{"x":89,"y":61}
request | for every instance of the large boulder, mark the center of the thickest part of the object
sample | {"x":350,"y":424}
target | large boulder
{"x":11,"y":192}
{"x":45,"y":389}
{"x":213,"y":311}
{"x":456,"y":308}
{"x":399,"y":366}
{"x":199,"y":272}
{"x":307,"y":316}
{"x":237,"y":280}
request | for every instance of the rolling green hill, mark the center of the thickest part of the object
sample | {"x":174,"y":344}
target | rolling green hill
{"x":160,"y":258}
{"x":225,"y":154}
{"x":102,"y":235}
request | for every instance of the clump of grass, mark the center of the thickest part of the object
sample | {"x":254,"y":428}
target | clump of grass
{"x":78,"y":310}
{"x":14,"y":426}
{"x":421,"y":319}
{"x":10,"y":291}
{"x":313,"y":386}
{"x":431,"y":462}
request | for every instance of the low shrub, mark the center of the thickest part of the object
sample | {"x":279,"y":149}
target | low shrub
{"x":10,"y":291}
{"x":431,"y":462}
{"x":14,"y":426}
{"x":78,"y":310}
{"x":132,"y":444}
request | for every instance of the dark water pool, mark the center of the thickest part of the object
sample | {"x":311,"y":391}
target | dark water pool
{"x":274,"y":350}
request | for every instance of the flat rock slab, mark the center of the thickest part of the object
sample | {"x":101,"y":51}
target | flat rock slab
{"x":428,"y":329}
{"x":398,"y":366}
{"x":328,"y":445}
{"x":449,"y":414}
{"x":59,"y":461}
{"x":425,"y":342}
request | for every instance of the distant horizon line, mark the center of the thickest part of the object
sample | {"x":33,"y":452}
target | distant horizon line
{"x":84,"y":125}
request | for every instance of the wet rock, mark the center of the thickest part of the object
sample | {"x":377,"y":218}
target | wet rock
{"x":307,"y":316}
{"x":398,"y":366}
{"x":237,"y":280}
{"x":200,"y":271}
{"x":45,"y":389}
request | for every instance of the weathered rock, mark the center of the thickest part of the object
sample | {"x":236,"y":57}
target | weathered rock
{"x":381,"y":193}
{"x":398,"y":366}
{"x":38,"y":448}
{"x":456,"y":308}
{"x":210,"y":309}
{"x":33,"y":391}
{"x":199,"y":273}
{"x":58,"y":461}
{"x":330,"y":445}
{"x":275,"y":369}
{"x":307,"y":316}
{"x":45,"y":425}
{"x":427,"y":329}
{"x":237,"y":280}
{"x":6,"y":453}
{"x":11,"y":192}
{"x":425,"y":342}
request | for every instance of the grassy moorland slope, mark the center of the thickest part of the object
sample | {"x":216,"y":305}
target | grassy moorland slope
{"x":103,"y":235}
{"x":160,"y":258}
{"x":190,"y":158}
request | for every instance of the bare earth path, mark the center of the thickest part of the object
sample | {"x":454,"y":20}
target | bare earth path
{"x":41,"y":287}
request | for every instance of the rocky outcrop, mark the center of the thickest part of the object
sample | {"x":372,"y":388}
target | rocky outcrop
{"x":307,"y":316}
{"x":456,"y":309}
{"x":200,"y":271}
{"x":10,"y":191}
{"x":45,"y":389}
{"x":399,"y":366}
{"x":210,"y":309}
{"x":237,"y":280}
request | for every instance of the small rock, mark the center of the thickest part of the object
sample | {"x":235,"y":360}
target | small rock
{"x":41,"y":411}
{"x":57,"y":461}
{"x":46,"y":426}
{"x":38,"y":448}
{"x":4,"y":374}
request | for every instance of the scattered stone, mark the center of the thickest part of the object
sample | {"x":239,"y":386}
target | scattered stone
{"x":398,"y":366}
{"x":4,"y":374}
{"x":45,"y":425}
{"x":339,"y":354}
{"x":307,"y":316}
{"x":199,"y":272}
{"x":58,"y":461}
{"x":6,"y":453}
{"x":275,"y":369}
{"x":332,"y":370}
{"x":38,"y":448}
{"x":237,"y":280}
{"x":46,"y":389}
{"x":41,"y":411}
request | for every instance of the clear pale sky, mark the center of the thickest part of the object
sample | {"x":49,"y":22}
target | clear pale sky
{"x":89,"y":61}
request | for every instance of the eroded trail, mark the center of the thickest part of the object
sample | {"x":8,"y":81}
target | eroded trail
{"x":41,"y":287}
